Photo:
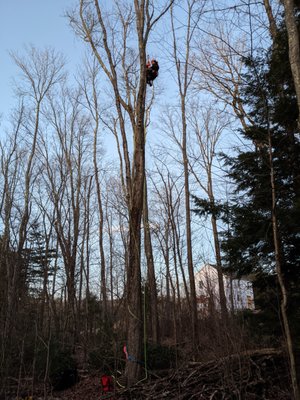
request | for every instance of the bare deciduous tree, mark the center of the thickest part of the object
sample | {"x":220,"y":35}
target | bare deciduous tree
{"x":182,"y":58}
{"x":203,"y":152}
{"x":294,"y":49}
{"x":150,"y":269}
{"x":64,"y":166}
{"x":91,"y":94}
{"x":110,"y":51}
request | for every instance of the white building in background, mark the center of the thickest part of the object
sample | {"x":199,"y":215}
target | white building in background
{"x":238,"y":292}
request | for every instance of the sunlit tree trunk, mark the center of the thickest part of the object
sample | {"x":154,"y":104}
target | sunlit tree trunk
{"x":294,"y":50}
{"x":271,"y":19}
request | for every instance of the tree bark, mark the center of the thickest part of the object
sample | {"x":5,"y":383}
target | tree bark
{"x":294,"y":51}
{"x":272,"y":22}
{"x":223,"y":304}
{"x":280,"y":277}
{"x":151,"y":270}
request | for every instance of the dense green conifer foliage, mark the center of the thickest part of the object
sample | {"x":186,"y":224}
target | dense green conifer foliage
{"x":270,"y":97}
{"x":248,"y":245}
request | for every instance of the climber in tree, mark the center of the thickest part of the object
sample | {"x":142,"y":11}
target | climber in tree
{"x":152,"y":71}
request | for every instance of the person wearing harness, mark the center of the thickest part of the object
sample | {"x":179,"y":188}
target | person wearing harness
{"x":152,"y":71}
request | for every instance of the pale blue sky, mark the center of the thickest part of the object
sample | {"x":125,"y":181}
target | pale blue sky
{"x":37,"y":22}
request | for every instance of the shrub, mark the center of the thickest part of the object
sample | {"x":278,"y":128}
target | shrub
{"x":160,"y":357}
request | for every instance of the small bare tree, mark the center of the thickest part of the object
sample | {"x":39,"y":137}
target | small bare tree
{"x":171,"y":242}
{"x":203,"y":153}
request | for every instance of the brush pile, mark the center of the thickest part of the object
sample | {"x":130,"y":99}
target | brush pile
{"x":252,"y":375}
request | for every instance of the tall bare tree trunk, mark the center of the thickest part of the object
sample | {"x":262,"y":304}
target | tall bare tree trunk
{"x":272,"y":22}
{"x":207,"y":138}
{"x":150,"y":268}
{"x":184,"y":80}
{"x":223,"y":304}
{"x":134,"y":294}
{"x":7,"y":264}
{"x":99,"y":200}
{"x":91,"y":16}
{"x":224,"y":311}
{"x":193,"y":296}
{"x":280,"y":277}
{"x":294,"y":50}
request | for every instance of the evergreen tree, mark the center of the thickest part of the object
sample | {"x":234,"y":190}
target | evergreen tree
{"x":248,"y":244}
{"x":37,"y":256}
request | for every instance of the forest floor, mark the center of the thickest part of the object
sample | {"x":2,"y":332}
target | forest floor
{"x":252,"y":375}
